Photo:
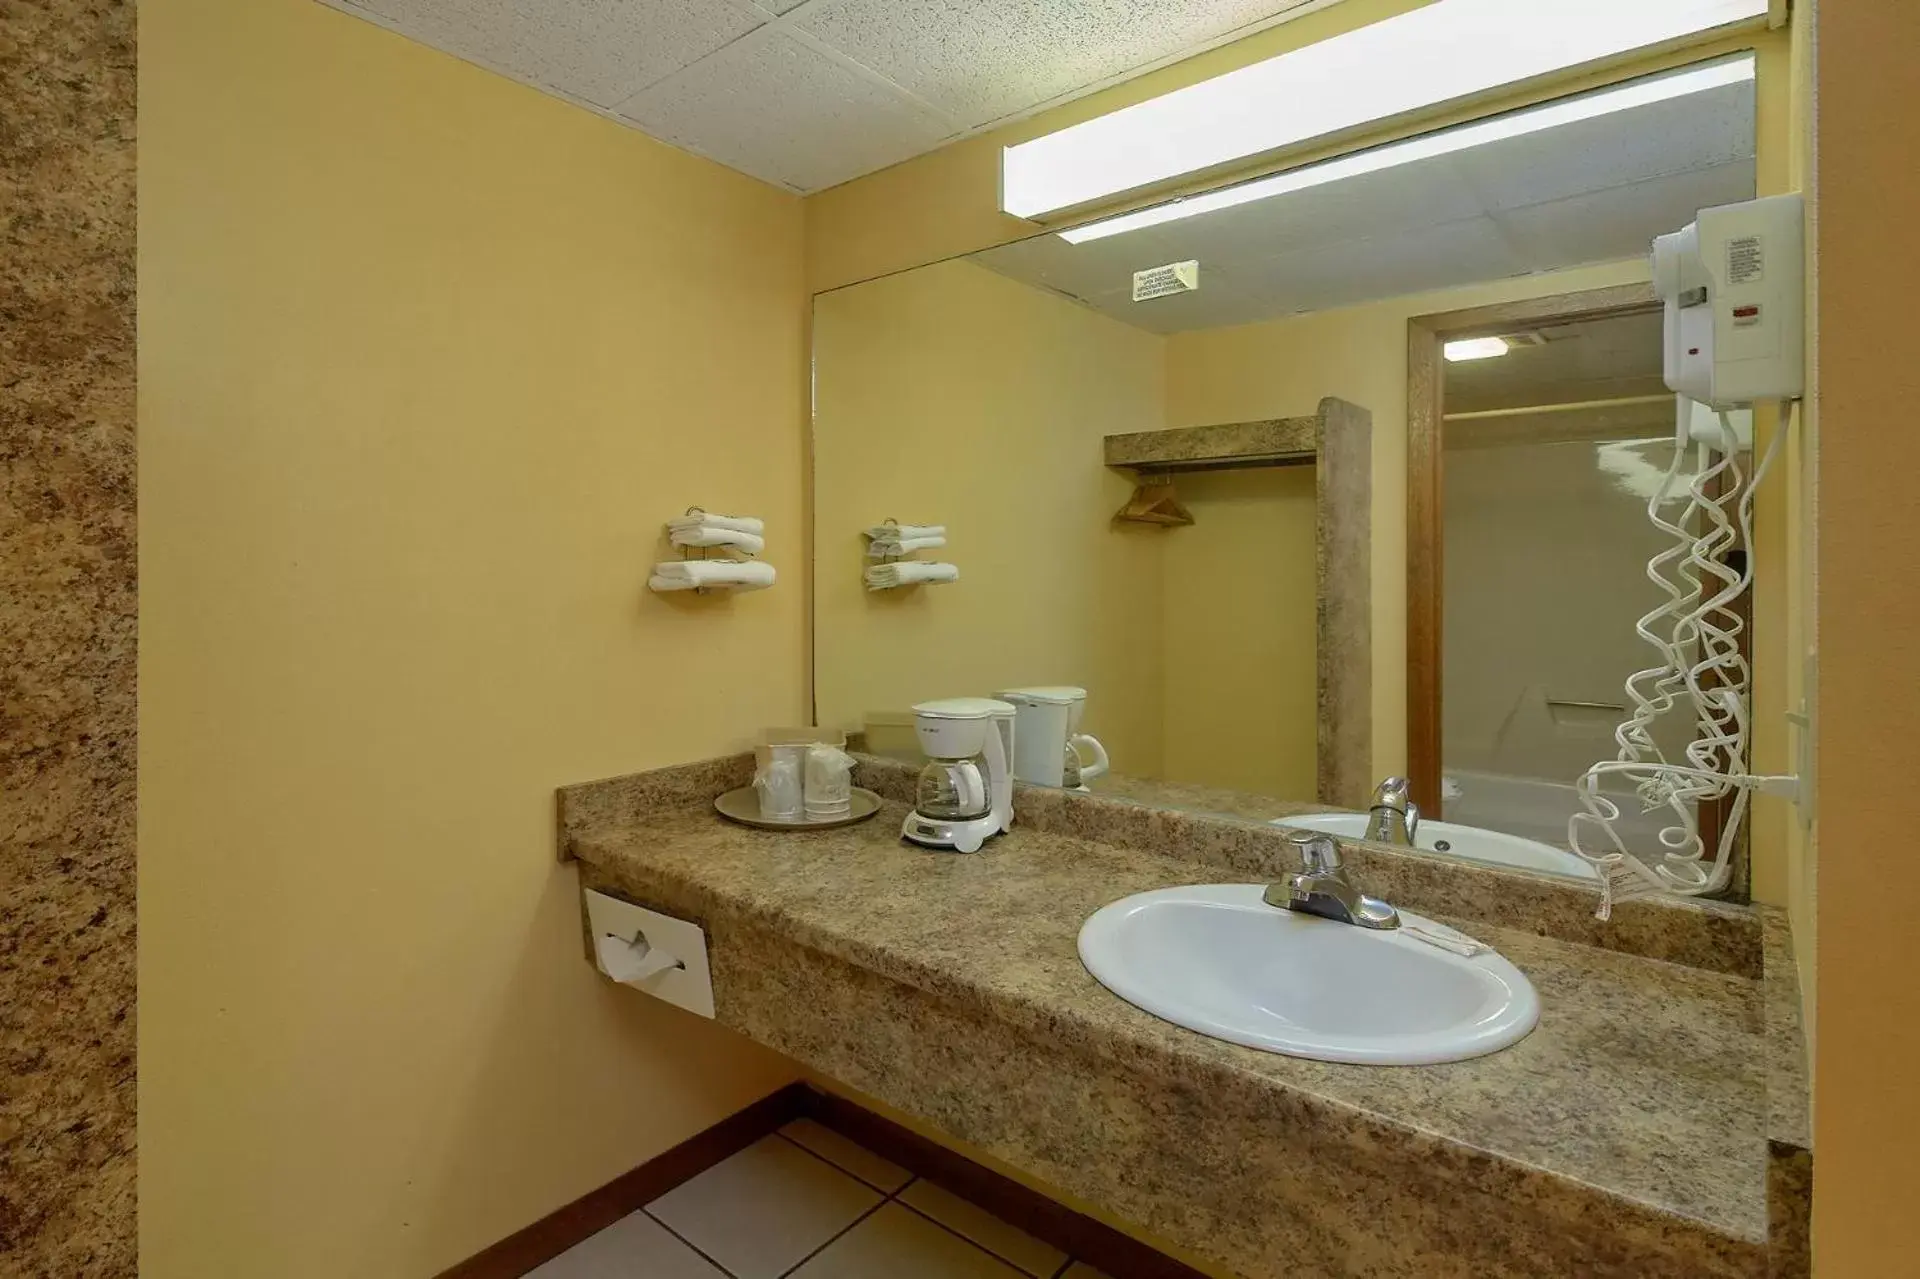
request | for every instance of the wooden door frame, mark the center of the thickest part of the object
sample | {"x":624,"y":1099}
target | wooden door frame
{"x":1426,"y":334}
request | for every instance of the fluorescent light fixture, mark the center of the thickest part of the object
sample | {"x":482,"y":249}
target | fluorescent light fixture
{"x":1438,"y":53}
{"x":1515,"y":124}
{"x":1475,"y":349}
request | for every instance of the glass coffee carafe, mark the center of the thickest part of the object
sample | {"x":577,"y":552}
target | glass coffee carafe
{"x":953,"y":790}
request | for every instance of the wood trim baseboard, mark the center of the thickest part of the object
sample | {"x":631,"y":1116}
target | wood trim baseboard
{"x":594,"y":1211}
{"x":1076,"y":1234}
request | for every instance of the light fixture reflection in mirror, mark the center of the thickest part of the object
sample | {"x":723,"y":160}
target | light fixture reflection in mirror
{"x":1475,"y":349}
{"x":1516,"y":124}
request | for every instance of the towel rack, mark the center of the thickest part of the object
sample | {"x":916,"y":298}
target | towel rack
{"x":686,"y":554}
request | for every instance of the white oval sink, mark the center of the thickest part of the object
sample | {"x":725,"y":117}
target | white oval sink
{"x":1469,"y":842}
{"x":1219,"y":960}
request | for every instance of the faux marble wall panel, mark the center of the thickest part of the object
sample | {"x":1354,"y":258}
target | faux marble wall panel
{"x":67,"y":637}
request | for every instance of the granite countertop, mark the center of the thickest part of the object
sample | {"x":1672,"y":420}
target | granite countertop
{"x":1209,"y":801}
{"x":1645,"y":1081}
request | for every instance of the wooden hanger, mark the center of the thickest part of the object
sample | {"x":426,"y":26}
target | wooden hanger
{"x":1154,"y":503}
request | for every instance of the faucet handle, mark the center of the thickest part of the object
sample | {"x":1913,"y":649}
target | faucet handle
{"x":1393,"y":791}
{"x":1319,"y":851}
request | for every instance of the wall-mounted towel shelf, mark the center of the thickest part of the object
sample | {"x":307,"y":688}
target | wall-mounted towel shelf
{"x":890,"y":542}
{"x":699,"y":535}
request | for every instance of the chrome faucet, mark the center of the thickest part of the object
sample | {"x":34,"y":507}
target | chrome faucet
{"x":1323,"y":888}
{"x":1393,"y":818}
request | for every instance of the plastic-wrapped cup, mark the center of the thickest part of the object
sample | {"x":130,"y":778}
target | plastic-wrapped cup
{"x":829,"y":781}
{"x":779,"y":778}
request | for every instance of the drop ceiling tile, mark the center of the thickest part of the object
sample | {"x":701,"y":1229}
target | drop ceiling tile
{"x":771,"y":106}
{"x":599,"y":51}
{"x":1084,"y":270}
{"x":1621,"y":223}
{"x":1220,"y":299}
{"x":1357,"y":271}
{"x":1699,"y":131}
{"x":982,"y":60}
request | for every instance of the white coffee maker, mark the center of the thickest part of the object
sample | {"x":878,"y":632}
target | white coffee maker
{"x":965,"y":794}
{"x":1049,"y":740}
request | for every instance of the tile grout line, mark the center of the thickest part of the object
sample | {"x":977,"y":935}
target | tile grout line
{"x":894,"y":1195}
{"x":647,"y":1209}
{"x":712,"y":1261}
{"x":848,"y":1172}
{"x":838,"y":1234}
{"x":887,"y":1197}
{"x":975,"y":1244}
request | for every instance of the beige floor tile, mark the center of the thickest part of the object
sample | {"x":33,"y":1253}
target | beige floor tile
{"x":848,"y":1155}
{"x":1010,"y":1243}
{"x":895,"y":1243}
{"x":635,"y":1247}
{"x":761,"y":1212}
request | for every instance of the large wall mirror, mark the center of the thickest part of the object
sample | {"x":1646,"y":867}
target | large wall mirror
{"x":1195,"y":505}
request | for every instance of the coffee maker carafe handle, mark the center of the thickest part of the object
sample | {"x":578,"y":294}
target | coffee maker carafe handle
{"x":1098,"y":767}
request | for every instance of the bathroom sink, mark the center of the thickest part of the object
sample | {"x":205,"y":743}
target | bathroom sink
{"x":1469,"y":842}
{"x":1219,"y":960}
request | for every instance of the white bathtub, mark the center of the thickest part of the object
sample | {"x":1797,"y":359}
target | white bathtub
{"x":1535,"y":809}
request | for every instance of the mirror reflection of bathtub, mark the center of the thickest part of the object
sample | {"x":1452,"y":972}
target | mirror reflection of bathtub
{"x":1466,"y":843}
{"x":1537,"y":809}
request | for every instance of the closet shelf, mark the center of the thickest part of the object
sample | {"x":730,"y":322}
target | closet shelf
{"x":1287,"y":441}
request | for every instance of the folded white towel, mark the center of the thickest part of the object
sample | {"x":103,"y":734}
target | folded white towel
{"x":706,"y":519}
{"x":687,"y":575}
{"x":702,"y":535}
{"x":895,"y":532}
{"x":905,"y":546}
{"x":882,"y":577}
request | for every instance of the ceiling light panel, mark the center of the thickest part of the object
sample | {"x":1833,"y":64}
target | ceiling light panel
{"x":1439,"y":53}
{"x":1556,"y":114}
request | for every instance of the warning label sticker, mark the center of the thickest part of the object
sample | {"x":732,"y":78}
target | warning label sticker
{"x":1745,"y":262}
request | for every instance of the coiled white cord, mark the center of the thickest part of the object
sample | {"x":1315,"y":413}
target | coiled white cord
{"x":1697,"y":635}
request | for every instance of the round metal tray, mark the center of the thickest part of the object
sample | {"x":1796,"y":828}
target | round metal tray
{"x":743,"y":806}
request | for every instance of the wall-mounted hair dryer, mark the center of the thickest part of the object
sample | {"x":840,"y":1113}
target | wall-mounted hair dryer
{"x":1733,"y":282}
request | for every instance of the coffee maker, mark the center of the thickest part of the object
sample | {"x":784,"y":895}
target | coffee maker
{"x":1050,"y":740}
{"x":965,"y":794}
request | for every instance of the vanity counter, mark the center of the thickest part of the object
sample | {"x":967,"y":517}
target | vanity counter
{"x":1626,"y":1135}
{"x":1204,"y":801}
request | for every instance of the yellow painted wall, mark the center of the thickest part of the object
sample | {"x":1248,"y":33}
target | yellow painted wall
{"x":956,"y":396}
{"x":1281,"y":368}
{"x":1868,"y":618}
{"x":426,"y":358}
{"x":1239,"y":615}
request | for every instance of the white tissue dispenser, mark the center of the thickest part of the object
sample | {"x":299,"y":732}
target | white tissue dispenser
{"x":655,"y":954}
